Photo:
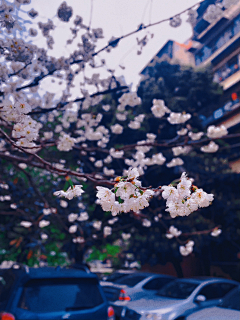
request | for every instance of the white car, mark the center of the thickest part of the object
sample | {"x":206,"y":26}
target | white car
{"x":228,"y":309}
{"x":179,"y":298}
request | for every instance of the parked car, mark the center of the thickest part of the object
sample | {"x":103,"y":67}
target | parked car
{"x":132,"y":287}
{"x":228,"y":309}
{"x":179,"y":298}
{"x":51,"y":293}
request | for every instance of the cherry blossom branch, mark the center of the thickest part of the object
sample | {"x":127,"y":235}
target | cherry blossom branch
{"x":143,"y":27}
{"x":187,"y":234}
{"x":63,"y":104}
{"x":112,"y":43}
{"x":20,"y":70}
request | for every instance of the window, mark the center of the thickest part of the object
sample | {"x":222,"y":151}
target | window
{"x":6,"y":284}
{"x":51,"y":295}
{"x":216,"y":290}
{"x":178,"y":289}
{"x":231,"y":301}
{"x":156,"y":283}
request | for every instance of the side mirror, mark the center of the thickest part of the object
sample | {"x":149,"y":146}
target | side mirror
{"x":200,"y":298}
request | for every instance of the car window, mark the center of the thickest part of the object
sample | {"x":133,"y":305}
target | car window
{"x":232,"y":300}
{"x":131,"y":280}
{"x":216,"y":290}
{"x":51,"y":295}
{"x":6,"y":284}
{"x":156,"y":283}
{"x":114,"y":277}
{"x":178,"y":289}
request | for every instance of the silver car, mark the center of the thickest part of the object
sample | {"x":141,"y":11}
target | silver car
{"x":179,"y":298}
{"x":228,"y":309}
{"x":132,"y":287}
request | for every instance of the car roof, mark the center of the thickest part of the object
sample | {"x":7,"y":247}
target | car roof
{"x":206,"y":280}
{"x":49,"y":272}
{"x":147,"y":274}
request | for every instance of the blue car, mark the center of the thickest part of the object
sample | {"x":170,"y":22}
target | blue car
{"x":51,"y":293}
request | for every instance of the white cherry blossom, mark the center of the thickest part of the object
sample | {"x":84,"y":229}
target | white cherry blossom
{"x":25,"y":224}
{"x":107,"y":231}
{"x":71,"y":192}
{"x":182,"y":132}
{"x":195,"y":136}
{"x":73,"y":228}
{"x":187,"y":249}
{"x":216,"y":132}
{"x":43,"y":223}
{"x":175,"y":162}
{"x":210,"y":148}
{"x":216,"y":232}
{"x":159,"y":109}
{"x":173,"y":232}
{"x":177,"y":117}
{"x":117,"y":129}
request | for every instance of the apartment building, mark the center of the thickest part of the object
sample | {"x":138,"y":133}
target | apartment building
{"x":216,"y":42}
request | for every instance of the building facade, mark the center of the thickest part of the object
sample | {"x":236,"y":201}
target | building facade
{"x":216,"y":42}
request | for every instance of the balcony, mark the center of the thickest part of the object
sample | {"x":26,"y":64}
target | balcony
{"x":229,"y":73}
{"x":230,"y":37}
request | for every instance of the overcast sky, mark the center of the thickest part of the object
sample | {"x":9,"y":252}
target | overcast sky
{"x":118,"y":17}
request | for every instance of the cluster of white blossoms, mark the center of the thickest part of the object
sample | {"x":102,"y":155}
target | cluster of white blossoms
{"x":126,"y":195}
{"x":14,"y":112}
{"x":195,"y":136}
{"x":159,"y":109}
{"x":210,"y":148}
{"x":129,"y":99}
{"x":181,"y":150}
{"x":185,"y":198}
{"x":117,"y":129}
{"x":136,"y":123}
{"x":25,"y":130}
{"x":177,"y":117}
{"x":187,"y":249}
{"x":173,"y":232}
{"x":71,"y":192}
{"x":141,"y":162}
{"x":89,"y":129}
{"x":216,"y":132}
{"x":175,"y":162}
{"x":65,"y":142}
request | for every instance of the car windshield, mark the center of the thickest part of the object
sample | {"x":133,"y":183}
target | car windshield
{"x":232,"y":300}
{"x":131,"y":280}
{"x":52,"y":295}
{"x":177,"y":289}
